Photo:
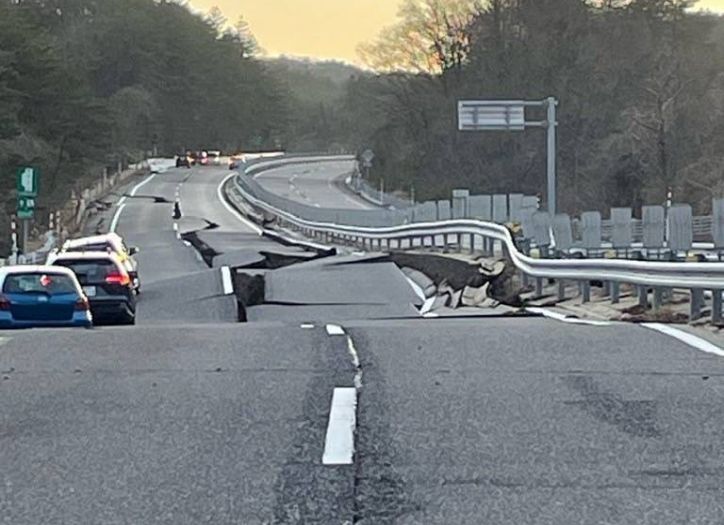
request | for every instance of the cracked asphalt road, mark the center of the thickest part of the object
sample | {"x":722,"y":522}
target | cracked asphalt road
{"x":193,"y":418}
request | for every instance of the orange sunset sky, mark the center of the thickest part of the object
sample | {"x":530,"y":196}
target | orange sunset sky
{"x":322,"y":28}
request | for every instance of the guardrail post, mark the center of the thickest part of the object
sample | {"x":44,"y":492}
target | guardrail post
{"x":538,"y":287}
{"x":716,"y":306}
{"x":606,"y":288}
{"x":643,"y":292}
{"x":696,"y":299}
{"x":586,"y":291}
{"x":658,"y":298}
{"x":615,"y":292}
{"x":561,"y":290}
{"x":472,"y":243}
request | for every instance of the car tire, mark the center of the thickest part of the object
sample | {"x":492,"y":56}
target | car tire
{"x":129,"y":318}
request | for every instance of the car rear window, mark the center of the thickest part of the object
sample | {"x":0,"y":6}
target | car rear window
{"x":96,"y":247}
{"x":48,"y":283}
{"x":89,"y":270}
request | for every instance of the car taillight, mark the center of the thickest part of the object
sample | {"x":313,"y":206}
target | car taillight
{"x":4,"y":303}
{"x":82,"y":305}
{"x":118,"y":278}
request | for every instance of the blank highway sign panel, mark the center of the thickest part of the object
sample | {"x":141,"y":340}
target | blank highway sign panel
{"x":482,"y":115}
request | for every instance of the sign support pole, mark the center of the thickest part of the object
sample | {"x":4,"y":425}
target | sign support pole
{"x":551,"y":170}
{"x":26,"y":226}
{"x":509,"y":115}
{"x":14,"y":237}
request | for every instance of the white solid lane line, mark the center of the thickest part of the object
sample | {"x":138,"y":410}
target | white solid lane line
{"x":339,"y":441}
{"x":416,"y":288}
{"x":427,"y":306}
{"x":4,"y":340}
{"x":230,"y":209}
{"x":116,"y":217}
{"x":561,"y":317}
{"x":685,"y":337}
{"x":122,"y":202}
{"x":226,"y":280}
{"x":335,"y":329}
{"x":141,"y":184}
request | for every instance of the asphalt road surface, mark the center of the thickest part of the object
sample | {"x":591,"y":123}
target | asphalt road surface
{"x":318,"y":185}
{"x":191,"y":418}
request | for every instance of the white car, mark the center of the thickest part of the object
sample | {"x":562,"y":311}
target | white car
{"x":108,"y":242}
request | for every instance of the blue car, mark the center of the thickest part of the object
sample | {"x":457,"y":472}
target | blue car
{"x":42,"y":296}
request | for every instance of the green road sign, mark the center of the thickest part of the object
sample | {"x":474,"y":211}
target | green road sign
{"x":27,"y":182}
{"x":26,"y":207}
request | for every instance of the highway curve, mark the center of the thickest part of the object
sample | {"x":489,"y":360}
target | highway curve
{"x":190,"y":417}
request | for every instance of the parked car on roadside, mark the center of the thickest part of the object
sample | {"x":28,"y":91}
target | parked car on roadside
{"x":105,"y":282}
{"x":42,"y":296}
{"x":108,"y":242}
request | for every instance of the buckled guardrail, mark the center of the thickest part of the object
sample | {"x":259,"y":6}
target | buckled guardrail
{"x":695,"y":276}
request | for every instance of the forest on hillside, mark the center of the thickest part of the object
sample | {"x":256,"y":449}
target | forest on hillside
{"x":640,"y":85}
{"x":87,"y":84}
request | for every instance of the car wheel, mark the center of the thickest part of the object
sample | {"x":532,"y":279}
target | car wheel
{"x":129,"y":318}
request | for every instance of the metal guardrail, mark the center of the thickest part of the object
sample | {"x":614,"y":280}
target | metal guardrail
{"x":658,"y":275}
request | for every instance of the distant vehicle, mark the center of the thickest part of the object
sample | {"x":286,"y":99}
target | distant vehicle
{"x":42,"y":296}
{"x":215,"y":157}
{"x":183,"y":161}
{"x":106,"y":284}
{"x":235,"y":161}
{"x":104,"y":243}
{"x":203,"y":158}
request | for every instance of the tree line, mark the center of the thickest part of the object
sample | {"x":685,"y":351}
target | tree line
{"x":87,"y":84}
{"x":640,"y":84}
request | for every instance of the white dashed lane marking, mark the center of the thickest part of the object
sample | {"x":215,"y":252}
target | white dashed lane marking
{"x":339,"y":441}
{"x":335,"y":329}
{"x":226,"y":281}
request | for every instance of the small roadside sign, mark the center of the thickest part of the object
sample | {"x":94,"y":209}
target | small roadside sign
{"x":26,"y":207}
{"x":367,"y":157}
{"x":27,"y":182}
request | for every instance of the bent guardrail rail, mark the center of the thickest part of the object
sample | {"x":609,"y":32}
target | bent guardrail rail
{"x":696,"y":276}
